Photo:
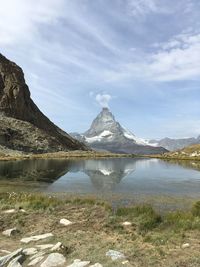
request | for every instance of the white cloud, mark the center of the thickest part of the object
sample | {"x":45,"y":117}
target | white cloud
{"x":178,"y":59}
{"x":103,"y":100}
{"x":19,"y":19}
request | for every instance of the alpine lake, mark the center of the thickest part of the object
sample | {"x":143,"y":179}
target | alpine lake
{"x":165,"y":184}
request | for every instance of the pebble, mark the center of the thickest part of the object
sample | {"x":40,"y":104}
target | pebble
{"x":126,"y":223}
{"x":65,"y":222}
{"x":186,"y":245}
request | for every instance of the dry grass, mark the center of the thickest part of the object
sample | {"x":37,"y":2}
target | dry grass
{"x":152,"y":240}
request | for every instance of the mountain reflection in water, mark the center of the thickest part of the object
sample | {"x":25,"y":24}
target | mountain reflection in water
{"x":119,"y":175}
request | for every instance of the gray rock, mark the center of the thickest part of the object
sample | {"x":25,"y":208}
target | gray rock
{"x":40,"y":254}
{"x":115,"y":255}
{"x":36,"y":238}
{"x":5,"y":259}
{"x":36,"y":261}
{"x":96,"y":265}
{"x":16,"y":262}
{"x":30,"y":251}
{"x":10,"y":232}
{"x":53,"y":260}
{"x":79,"y":263}
{"x":45,"y":246}
{"x":59,"y":246}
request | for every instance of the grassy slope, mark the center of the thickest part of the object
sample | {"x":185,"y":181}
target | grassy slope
{"x":152,"y":240}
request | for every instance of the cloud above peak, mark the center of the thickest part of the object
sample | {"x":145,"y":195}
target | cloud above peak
{"x":103,"y":100}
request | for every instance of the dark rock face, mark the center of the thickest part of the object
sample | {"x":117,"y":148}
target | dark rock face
{"x":16,"y":103}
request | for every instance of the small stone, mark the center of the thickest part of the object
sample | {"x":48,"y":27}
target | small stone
{"x":30,"y":251}
{"x":45,"y":246}
{"x":10,"y":211}
{"x":36,"y":238}
{"x":79,"y":263}
{"x":53,"y":260}
{"x":65,"y":222}
{"x":115,"y":255}
{"x":126,"y":223}
{"x":186,"y":245}
{"x":96,"y":265}
{"x":36,"y":261}
{"x":5,"y":259}
{"x":10,"y":232}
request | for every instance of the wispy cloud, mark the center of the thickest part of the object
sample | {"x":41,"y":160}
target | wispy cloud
{"x":103,"y":100}
{"x":129,"y":48}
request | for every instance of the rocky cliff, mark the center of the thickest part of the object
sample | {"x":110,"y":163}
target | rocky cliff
{"x":22,"y":125}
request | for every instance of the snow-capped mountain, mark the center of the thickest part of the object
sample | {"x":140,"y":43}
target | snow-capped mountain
{"x":106,"y":133}
{"x":175,"y":144}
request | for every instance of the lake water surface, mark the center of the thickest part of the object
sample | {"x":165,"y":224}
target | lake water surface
{"x":124,"y":176}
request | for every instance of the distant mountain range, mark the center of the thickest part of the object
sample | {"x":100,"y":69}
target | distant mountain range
{"x":107,"y":134}
{"x":175,"y":144}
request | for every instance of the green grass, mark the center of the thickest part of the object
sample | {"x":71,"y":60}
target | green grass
{"x":143,"y":217}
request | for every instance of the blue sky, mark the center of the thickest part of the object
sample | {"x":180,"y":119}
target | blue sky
{"x":140,"y":57}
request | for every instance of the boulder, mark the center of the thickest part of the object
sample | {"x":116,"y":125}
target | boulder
{"x":53,"y":260}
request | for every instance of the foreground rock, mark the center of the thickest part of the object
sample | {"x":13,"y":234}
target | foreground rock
{"x":5,"y":259}
{"x":53,"y":260}
{"x":23,"y":126}
{"x":36,"y":238}
{"x":16,"y":262}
